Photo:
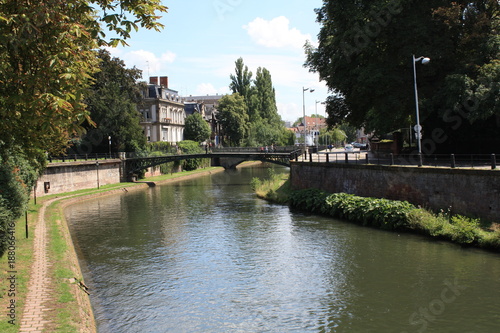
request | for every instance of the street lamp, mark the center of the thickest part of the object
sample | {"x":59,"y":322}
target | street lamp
{"x":418,"y":128}
{"x":317,"y":125}
{"x":304,"y":112}
{"x":109,"y":141}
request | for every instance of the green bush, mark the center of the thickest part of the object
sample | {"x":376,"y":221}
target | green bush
{"x":17,"y":177}
{"x":396,"y":215}
{"x":381,"y":213}
{"x":464,"y":230}
{"x":192,"y":147}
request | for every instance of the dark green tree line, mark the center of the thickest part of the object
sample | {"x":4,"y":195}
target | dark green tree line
{"x":112,"y":101}
{"x":47,"y":61}
{"x":263,"y":123}
{"x":365,"y":57}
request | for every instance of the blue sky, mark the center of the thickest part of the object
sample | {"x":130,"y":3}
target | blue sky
{"x":203,"y":38}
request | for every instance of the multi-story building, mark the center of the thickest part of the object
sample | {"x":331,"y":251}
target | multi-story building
{"x":207,"y":106}
{"x":162,"y":111}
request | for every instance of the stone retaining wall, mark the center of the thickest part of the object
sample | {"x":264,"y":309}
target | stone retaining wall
{"x":471,"y":192}
{"x":72,"y":176}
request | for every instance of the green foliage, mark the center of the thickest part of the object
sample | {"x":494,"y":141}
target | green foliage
{"x":381,"y":213}
{"x":47,"y":59}
{"x":242,"y":80}
{"x":161,"y":146}
{"x":192,"y":147}
{"x":366,"y":47}
{"x":260,"y":123}
{"x":334,"y":136}
{"x":112,"y":101}
{"x":266,"y":100}
{"x":18,"y":175}
{"x":233,"y":117}
{"x":255,"y":183}
{"x":196,"y":128}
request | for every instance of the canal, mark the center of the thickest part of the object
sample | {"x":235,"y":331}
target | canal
{"x":206,"y":255}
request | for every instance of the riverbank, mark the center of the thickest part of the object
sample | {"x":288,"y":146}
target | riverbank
{"x":47,"y":291}
{"x":399,"y":216}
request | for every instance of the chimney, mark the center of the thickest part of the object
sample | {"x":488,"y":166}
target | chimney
{"x":153,"y":80}
{"x":164,"y":81}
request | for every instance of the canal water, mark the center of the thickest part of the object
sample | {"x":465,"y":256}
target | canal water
{"x":206,"y":255}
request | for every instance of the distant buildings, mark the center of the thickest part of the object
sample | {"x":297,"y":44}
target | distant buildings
{"x":208,"y":104}
{"x":311,"y":129}
{"x":163,"y":111}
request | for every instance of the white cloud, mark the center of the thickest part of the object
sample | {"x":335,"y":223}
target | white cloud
{"x":276,"y":33}
{"x":209,"y":89}
{"x":147,"y":61}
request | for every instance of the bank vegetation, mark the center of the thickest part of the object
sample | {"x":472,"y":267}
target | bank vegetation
{"x":393,"y":215}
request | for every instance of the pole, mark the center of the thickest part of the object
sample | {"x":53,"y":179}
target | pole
{"x":304,"y":115}
{"x":97,"y":168}
{"x":418,"y":127}
{"x":109,"y":141}
{"x":26,"y":217}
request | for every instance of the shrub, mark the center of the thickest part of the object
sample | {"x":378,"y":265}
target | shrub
{"x":464,"y":230}
{"x":192,"y":147}
{"x":382,"y":213}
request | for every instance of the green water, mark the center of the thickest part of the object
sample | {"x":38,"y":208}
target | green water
{"x":206,"y":255}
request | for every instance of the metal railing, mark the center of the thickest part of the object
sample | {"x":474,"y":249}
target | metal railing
{"x":482,"y":161}
{"x":82,"y":157}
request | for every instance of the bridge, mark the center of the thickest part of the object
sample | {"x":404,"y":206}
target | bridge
{"x":227,"y":158}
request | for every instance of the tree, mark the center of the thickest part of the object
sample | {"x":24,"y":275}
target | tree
{"x":112,"y":102}
{"x":365,"y":56}
{"x":192,"y":147}
{"x":196,"y":128}
{"x":233,"y":117}
{"x":242,"y":81}
{"x":266,"y":97}
{"x":47,"y":59}
{"x":333,"y":136}
{"x":264,"y":125}
{"x":18,"y":175}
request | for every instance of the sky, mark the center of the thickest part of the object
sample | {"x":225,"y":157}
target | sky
{"x":202,"y":39}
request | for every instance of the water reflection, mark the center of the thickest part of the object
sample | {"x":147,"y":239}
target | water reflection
{"x":207,"y":256}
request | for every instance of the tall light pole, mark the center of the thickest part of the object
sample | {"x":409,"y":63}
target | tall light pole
{"x":109,"y":144}
{"x":304,"y":113}
{"x":317,"y":125}
{"x":418,"y":128}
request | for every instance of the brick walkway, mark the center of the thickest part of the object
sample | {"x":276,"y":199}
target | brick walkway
{"x":33,"y":319}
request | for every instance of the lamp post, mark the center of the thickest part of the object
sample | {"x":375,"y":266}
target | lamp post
{"x":109,"y":142}
{"x":317,"y":125}
{"x":97,"y":168}
{"x":304,"y":113}
{"x":418,"y":128}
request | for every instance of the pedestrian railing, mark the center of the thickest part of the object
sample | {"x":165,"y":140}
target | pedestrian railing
{"x":435,"y":160}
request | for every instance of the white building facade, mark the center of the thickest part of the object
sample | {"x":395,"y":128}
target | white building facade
{"x":162,"y":112}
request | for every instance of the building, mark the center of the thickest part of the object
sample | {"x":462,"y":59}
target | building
{"x":207,"y":106}
{"x":312,"y":129}
{"x":162,"y":112}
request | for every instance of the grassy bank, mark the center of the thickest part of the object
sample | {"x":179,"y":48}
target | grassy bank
{"x":384,"y":214}
{"x":70,"y":309}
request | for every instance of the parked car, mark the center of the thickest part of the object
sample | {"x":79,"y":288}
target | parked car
{"x":359,"y":145}
{"x":349,"y":148}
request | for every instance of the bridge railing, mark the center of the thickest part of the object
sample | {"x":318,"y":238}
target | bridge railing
{"x":435,"y":160}
{"x":82,"y":157}
{"x":260,"y":149}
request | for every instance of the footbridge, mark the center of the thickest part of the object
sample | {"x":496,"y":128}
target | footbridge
{"x":228,"y":158}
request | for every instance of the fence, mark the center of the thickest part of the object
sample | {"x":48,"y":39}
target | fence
{"x":436,"y":160}
{"x":82,"y":157}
